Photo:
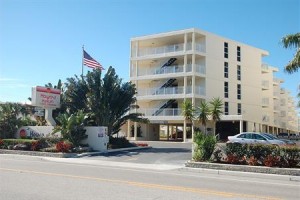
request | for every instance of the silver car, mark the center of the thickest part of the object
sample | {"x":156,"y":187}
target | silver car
{"x":254,"y":138}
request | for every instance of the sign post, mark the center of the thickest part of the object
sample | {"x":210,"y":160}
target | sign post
{"x":47,"y":98}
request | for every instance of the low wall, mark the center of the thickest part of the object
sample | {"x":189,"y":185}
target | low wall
{"x":97,"y":135}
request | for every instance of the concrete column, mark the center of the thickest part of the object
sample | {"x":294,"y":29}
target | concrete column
{"x":48,"y":117}
{"x":168,"y":132}
{"x":135,"y":130}
{"x":184,"y":131}
{"x":185,"y":42}
{"x":241,"y":126}
{"x":128,"y":129}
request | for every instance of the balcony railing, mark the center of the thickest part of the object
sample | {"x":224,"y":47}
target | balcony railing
{"x":160,"y":91}
{"x":265,"y":101}
{"x":165,"y":112}
{"x":167,"y":49}
{"x":199,"y":90}
{"x":265,"y":84}
{"x":158,"y":70}
{"x":171,"y":70}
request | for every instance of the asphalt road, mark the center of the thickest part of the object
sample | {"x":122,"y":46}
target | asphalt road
{"x":132,"y":176}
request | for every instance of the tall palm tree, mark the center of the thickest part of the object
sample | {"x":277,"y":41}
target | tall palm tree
{"x":292,"y":41}
{"x":216,"y":106}
{"x":188,"y":113}
{"x":204,"y":113}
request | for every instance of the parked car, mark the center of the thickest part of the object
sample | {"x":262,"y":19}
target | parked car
{"x":255,"y":138}
{"x":287,"y":142}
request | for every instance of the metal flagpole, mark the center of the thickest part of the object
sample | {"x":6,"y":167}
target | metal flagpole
{"x":82,"y":61}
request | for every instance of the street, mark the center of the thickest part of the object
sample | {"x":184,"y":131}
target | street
{"x":122,"y":176}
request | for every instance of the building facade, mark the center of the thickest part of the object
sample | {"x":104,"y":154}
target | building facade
{"x":169,"y":68}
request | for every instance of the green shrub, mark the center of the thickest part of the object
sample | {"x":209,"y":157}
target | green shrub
{"x":290,"y":156}
{"x":266,"y":155}
{"x":118,"y":142}
{"x":204,"y":146}
{"x":235,"y":153}
{"x":72,"y":127}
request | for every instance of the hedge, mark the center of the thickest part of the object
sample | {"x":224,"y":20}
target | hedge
{"x":263,"y":155}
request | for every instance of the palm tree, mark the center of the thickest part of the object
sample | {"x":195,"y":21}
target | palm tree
{"x":216,"y":106}
{"x":291,"y":41}
{"x":188,"y":112}
{"x":204,"y":113}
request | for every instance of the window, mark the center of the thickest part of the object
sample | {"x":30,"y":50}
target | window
{"x":238,"y":72}
{"x":225,"y":50}
{"x":226,"y":108}
{"x":238,"y":51}
{"x":239,"y":91}
{"x":226,"y":89}
{"x":225,"y":69}
{"x":239,"y":109}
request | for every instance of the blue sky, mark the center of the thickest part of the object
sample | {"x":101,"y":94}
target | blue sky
{"x":41,"y":40}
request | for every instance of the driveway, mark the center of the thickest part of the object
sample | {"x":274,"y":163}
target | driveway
{"x":168,"y":153}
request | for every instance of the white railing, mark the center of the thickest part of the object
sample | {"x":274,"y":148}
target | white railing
{"x":265,"y":66}
{"x":161,"y":70}
{"x":265,"y":84}
{"x":171,"y":70}
{"x":160,"y":91}
{"x":265,"y":101}
{"x":167,"y":49}
{"x":200,"y":69}
{"x":164,"y":112}
{"x":200,"y":90}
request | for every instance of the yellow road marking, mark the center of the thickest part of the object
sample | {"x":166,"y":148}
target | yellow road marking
{"x":148,"y":185}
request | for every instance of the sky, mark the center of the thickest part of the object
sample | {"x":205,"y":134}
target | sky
{"x":41,"y":40}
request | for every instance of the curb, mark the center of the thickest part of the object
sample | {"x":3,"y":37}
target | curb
{"x":110,"y":151}
{"x":244,"y":168}
{"x":67,"y":155}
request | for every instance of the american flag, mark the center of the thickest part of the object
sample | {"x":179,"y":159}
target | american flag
{"x":90,"y":62}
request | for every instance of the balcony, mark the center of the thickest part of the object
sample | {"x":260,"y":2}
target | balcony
{"x":168,"y":49}
{"x":277,"y":81}
{"x":160,"y":91}
{"x":198,"y":68}
{"x":265,"y":85}
{"x":264,"y":68}
{"x":265,"y":102}
{"x":282,"y":91}
{"x":159,"y":70}
{"x":199,"y":90}
{"x":165,"y":112}
{"x":276,"y":95}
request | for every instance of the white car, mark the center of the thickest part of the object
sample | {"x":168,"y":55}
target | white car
{"x":254,"y":138}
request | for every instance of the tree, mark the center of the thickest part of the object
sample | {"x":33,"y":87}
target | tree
{"x":216,"y":106}
{"x":12,"y":118}
{"x":72,"y":127}
{"x":108,"y":101}
{"x":188,"y":112}
{"x":292,"y":41}
{"x":204,"y":113}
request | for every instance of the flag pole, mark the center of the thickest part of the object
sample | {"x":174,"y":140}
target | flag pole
{"x":82,"y":61}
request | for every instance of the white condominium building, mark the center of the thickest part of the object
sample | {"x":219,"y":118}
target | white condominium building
{"x":196,"y":65}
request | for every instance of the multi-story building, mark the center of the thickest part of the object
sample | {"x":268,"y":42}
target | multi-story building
{"x":195,"y":65}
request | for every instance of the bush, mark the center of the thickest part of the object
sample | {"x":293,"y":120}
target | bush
{"x":236,"y":153}
{"x":17,"y":144}
{"x":266,"y":155}
{"x":290,"y":156}
{"x":63,"y":146}
{"x":118,"y":142}
{"x":204,"y":146}
{"x":72,"y":127}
